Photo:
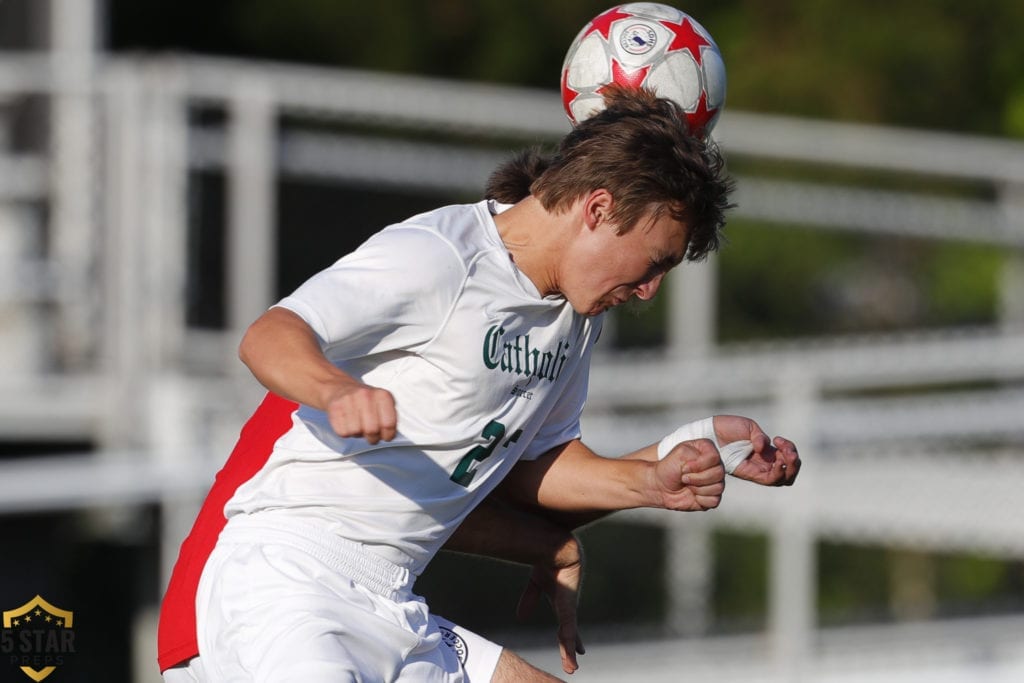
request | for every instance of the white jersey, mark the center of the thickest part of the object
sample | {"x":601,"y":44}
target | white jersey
{"x":483,"y":369}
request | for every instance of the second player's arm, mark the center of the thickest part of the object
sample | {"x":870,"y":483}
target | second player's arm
{"x":495,"y":529}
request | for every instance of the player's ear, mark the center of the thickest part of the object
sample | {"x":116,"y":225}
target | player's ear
{"x":597,"y":208}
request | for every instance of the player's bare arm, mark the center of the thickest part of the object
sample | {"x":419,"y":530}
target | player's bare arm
{"x":771,"y":462}
{"x":553,"y":552}
{"x":571,"y":486}
{"x":573,"y":478}
{"x":284,"y":354}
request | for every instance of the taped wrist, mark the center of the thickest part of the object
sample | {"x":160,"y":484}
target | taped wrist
{"x":701,"y":429}
{"x":732,"y":453}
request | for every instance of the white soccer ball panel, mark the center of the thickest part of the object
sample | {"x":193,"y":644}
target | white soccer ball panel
{"x":590,"y":65}
{"x":585,"y":106}
{"x":678,"y":78}
{"x":653,"y":9}
{"x":714,"y":77}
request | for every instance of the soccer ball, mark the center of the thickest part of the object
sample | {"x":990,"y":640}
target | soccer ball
{"x":651,"y":45}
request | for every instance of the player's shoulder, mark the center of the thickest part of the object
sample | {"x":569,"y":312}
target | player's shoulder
{"x":466,"y":230}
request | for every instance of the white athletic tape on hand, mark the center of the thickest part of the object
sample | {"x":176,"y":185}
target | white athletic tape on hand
{"x":732,"y":453}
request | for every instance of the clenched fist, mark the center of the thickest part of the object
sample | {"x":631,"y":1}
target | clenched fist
{"x":691,"y":477}
{"x":363,"y":411}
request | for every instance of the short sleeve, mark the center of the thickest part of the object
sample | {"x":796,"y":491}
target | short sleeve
{"x":563,"y":422}
{"x":393,"y":292}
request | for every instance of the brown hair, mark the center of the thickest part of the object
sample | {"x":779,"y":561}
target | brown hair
{"x":641,"y":150}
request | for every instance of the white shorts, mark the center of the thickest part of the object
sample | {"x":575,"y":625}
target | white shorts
{"x":283,"y":600}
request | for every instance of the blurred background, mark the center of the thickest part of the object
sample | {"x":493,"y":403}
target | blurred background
{"x":169,"y":169}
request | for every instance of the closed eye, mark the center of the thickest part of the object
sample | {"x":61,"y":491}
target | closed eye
{"x":663,"y":264}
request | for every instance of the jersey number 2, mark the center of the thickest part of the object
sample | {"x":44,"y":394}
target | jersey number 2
{"x":493,"y":432}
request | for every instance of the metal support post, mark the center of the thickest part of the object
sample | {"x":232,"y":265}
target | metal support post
{"x":251,"y":280}
{"x":693,"y":293}
{"x":793,"y":586}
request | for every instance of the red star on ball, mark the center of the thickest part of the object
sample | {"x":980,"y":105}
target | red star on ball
{"x":685,"y":37}
{"x":630,"y":79}
{"x":568,"y":95}
{"x":602,"y":23}
{"x":701,"y":115}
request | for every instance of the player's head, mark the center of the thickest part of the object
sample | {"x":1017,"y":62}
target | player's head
{"x":640,"y":150}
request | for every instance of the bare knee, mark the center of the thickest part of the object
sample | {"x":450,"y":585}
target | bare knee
{"x":514,"y":669}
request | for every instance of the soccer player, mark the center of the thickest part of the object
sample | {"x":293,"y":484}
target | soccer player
{"x":444,"y":358}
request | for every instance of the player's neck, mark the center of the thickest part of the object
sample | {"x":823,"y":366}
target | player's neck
{"x":534,"y":239}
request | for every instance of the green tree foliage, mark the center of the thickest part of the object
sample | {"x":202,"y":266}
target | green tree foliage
{"x":944,"y":64}
{"x":839,"y":283}
{"x":939,"y":64}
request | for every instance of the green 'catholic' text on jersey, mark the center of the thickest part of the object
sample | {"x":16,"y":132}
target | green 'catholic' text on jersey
{"x":484,"y":371}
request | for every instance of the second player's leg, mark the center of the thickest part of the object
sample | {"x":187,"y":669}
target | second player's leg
{"x":514,"y":669}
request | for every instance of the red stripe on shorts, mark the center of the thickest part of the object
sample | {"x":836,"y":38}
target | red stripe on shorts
{"x":176,"y":635}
